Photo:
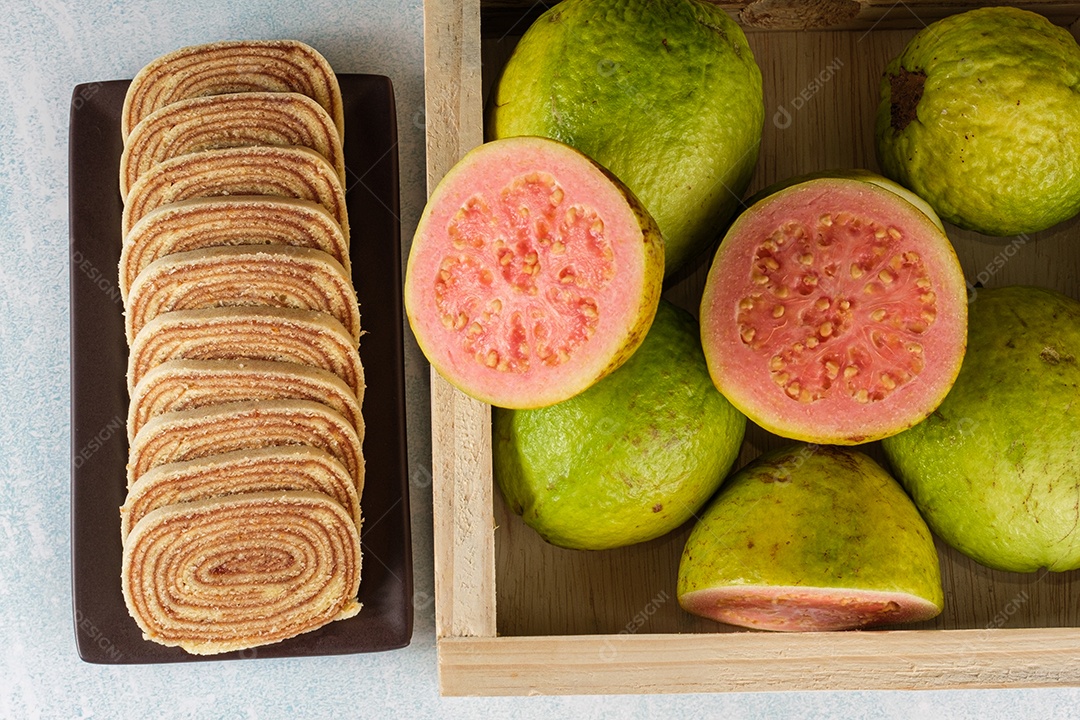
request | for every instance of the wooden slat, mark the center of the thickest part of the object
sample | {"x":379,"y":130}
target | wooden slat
{"x":506,"y":17}
{"x":747,"y":662}
{"x":461,"y":427}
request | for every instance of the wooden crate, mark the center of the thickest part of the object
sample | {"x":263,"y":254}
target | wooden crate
{"x":515,"y":615}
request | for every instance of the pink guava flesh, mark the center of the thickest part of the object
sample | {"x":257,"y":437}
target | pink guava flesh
{"x":803,"y":609}
{"x":835,"y":311}
{"x":531,"y":273}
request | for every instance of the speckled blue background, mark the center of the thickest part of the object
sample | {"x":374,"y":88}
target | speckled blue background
{"x":47,"y":47}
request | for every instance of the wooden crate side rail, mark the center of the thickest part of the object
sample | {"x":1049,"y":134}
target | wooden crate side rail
{"x":460,"y":426}
{"x":754,"y":662}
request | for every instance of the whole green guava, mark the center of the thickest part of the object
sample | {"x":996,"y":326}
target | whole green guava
{"x":980,"y":116}
{"x":666,"y":95}
{"x":995,"y":470}
{"x":631,"y":458}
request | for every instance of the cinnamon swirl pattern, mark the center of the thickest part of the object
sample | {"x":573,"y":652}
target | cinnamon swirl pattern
{"x":291,"y":172}
{"x":229,"y":67}
{"x":241,"y":525}
{"x":222,"y":121}
{"x":242,"y":570}
{"x":204,"y":222}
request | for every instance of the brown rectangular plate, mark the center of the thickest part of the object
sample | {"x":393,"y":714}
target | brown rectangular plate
{"x":104,"y":631}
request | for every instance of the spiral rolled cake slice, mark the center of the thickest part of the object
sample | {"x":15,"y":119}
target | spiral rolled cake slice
{"x":215,"y":429}
{"x":306,"y":337}
{"x":280,"y":171}
{"x":224,"y":221}
{"x":191,"y":384}
{"x":292,"y":467}
{"x":261,"y":334}
{"x":268,"y":276}
{"x":229,"y":67}
{"x":224,"y":574}
{"x":222,"y":121}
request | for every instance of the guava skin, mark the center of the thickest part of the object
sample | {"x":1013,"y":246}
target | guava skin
{"x":995,"y":469}
{"x":979,"y":116}
{"x":814,"y":517}
{"x":629,"y":459}
{"x":665,"y":95}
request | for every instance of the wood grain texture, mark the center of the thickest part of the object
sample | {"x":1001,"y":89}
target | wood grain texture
{"x":748,"y":662}
{"x":586,"y":622}
{"x":821,"y":96}
{"x":507,"y":17}
{"x":461,"y":426}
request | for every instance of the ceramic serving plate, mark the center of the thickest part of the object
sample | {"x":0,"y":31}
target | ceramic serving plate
{"x":104,"y":631}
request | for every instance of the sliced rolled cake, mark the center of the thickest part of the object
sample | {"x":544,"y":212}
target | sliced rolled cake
{"x":291,"y":467}
{"x":222,"y":221}
{"x":267,"y":275}
{"x":190,"y":384}
{"x":237,"y":572}
{"x":221,"y":121}
{"x":229,"y":67}
{"x":289,"y":171}
{"x":282,"y":334}
{"x":214,"y":429}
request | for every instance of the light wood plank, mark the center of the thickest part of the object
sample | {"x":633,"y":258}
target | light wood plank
{"x":749,"y":662}
{"x":507,"y":17}
{"x":461,"y":427}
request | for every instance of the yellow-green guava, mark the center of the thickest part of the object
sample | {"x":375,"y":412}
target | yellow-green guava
{"x":980,"y":116}
{"x":995,"y":470}
{"x":811,"y":537}
{"x":666,"y":95}
{"x":631,"y":458}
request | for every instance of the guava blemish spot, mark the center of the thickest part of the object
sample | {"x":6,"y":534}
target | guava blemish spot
{"x":657,"y":507}
{"x":906,"y":90}
{"x":1052,"y":356}
{"x":526,"y":237}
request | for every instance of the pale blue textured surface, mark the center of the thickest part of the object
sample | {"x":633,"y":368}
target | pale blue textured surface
{"x":48,"y":46}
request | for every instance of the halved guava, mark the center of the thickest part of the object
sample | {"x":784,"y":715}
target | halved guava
{"x":811,"y":537}
{"x":631,"y":458}
{"x":835,"y":311}
{"x":533,"y":273}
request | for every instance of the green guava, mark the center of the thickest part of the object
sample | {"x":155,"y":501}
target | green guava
{"x":811,"y":537}
{"x":980,"y":115}
{"x":629,"y":459}
{"x":994,"y":468}
{"x":665,"y":95}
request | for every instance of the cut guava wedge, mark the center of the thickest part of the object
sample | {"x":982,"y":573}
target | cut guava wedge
{"x":533,"y":273}
{"x":811,"y":537}
{"x":835,"y":311}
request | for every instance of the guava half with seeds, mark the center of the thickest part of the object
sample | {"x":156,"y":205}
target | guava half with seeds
{"x":666,"y":95}
{"x":994,"y":469}
{"x":631,"y":458}
{"x":835,"y":312}
{"x":979,"y":116}
{"x":533,"y":273}
{"x":811,"y":537}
